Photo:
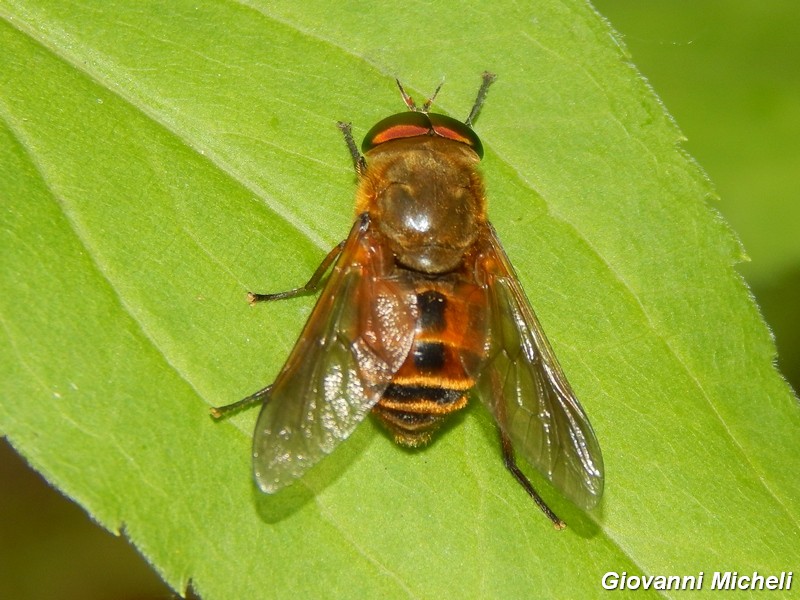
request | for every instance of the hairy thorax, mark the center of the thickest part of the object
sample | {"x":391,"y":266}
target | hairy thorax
{"x":426,"y":198}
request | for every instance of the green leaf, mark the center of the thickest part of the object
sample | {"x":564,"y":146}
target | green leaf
{"x":159,"y":159}
{"x":726,"y":71}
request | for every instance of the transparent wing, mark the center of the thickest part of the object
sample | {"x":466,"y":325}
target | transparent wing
{"x":524,"y":387}
{"x":338,"y":369}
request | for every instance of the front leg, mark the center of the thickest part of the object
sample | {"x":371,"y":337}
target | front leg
{"x":311,"y":286}
{"x":262,"y":395}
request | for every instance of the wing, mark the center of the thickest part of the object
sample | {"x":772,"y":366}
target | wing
{"x":524,"y":387}
{"x":355,"y":339}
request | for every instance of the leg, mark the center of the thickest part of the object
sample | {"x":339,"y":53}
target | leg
{"x":261,"y":396}
{"x":359,"y":163}
{"x":488,"y":79}
{"x":511,"y":465}
{"x":312,"y":284}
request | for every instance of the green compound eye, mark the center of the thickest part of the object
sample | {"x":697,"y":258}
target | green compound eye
{"x":413,"y":124}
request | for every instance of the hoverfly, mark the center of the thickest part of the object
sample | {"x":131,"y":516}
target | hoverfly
{"x":422,"y":307}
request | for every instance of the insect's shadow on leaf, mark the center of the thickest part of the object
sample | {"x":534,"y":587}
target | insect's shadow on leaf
{"x":273,"y":508}
{"x":277,"y":507}
{"x":576,"y":520}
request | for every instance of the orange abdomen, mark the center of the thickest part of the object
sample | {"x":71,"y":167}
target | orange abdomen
{"x":446,"y":352}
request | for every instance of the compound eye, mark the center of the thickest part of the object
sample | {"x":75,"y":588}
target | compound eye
{"x":450,"y":128}
{"x":399,"y":126}
{"x":415,"y":124}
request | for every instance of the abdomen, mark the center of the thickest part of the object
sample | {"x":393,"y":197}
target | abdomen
{"x":445,"y":354}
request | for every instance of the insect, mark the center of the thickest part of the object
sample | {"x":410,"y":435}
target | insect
{"x":421,"y":309}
